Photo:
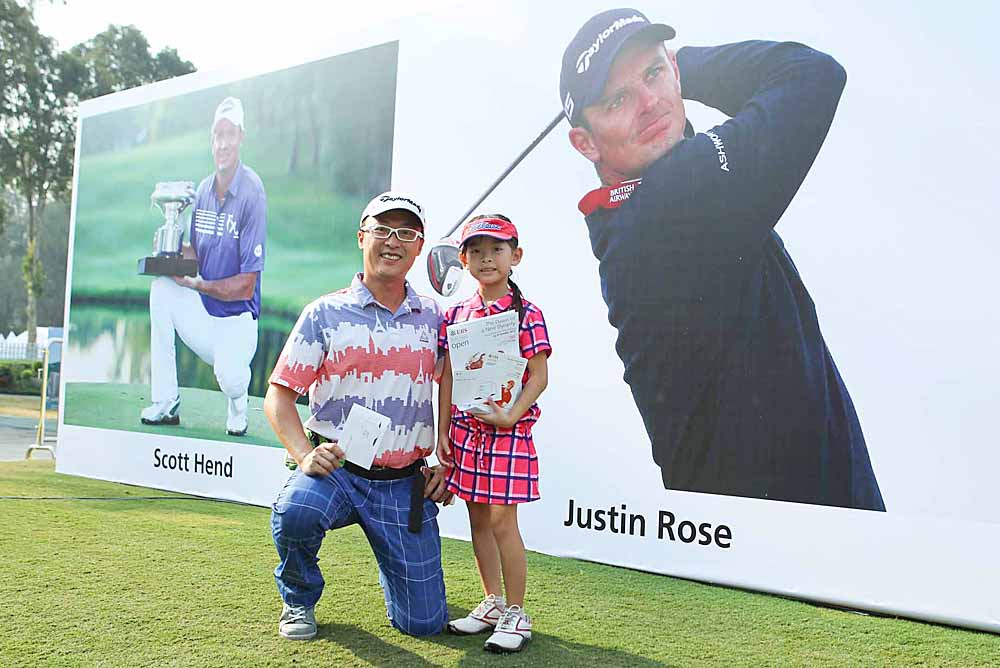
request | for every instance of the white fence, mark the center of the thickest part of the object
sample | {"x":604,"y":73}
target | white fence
{"x":21,"y":350}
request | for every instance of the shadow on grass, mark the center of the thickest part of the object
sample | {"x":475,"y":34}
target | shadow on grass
{"x":544,"y":649}
{"x":370,"y":647}
{"x":560,"y":652}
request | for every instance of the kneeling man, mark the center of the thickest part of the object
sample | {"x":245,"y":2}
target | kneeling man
{"x":374,"y":344}
{"x":215,"y":313}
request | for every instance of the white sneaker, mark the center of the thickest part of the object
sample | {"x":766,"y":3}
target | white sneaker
{"x":297,"y":622}
{"x":236,"y":419}
{"x":483,"y":618}
{"x":512,"y":633}
{"x":162,"y":412}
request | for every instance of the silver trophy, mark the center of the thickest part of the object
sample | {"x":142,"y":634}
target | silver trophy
{"x":171,"y":198}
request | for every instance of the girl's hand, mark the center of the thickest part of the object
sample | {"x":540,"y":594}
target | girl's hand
{"x":443,"y":451}
{"x":497,"y":416}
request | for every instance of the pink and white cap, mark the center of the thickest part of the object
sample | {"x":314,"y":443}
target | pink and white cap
{"x":498,"y":228}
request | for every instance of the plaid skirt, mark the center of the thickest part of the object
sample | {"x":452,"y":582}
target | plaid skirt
{"x":493,"y":465}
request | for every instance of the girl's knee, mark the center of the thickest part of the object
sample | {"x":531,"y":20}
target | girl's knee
{"x":503,"y":519}
{"x":480,"y":517}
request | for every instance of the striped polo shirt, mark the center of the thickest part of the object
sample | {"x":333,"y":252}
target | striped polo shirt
{"x":230,"y":237}
{"x":348,"y":349}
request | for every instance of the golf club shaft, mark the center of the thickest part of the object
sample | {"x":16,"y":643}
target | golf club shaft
{"x":554,"y":122}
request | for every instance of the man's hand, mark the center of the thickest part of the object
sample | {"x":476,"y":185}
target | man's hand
{"x":434,"y":485}
{"x":192,"y":282}
{"x":497,"y":416}
{"x":323,"y":460}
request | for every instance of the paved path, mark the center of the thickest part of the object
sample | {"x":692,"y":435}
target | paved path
{"x":16,"y":435}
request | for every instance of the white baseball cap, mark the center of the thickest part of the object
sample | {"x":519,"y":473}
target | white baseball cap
{"x":393,"y":199}
{"x":232,"y":110}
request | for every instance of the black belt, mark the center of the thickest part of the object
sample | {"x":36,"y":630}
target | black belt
{"x":383,"y":473}
{"x":416,"y":515}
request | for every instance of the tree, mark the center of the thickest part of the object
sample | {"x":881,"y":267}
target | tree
{"x":39,"y":91}
{"x":37,"y":133}
{"x":119,"y":58}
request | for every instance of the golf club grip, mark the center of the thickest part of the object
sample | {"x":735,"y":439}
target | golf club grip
{"x":548,"y":128}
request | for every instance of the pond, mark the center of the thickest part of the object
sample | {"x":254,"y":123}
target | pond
{"x":110,"y":343}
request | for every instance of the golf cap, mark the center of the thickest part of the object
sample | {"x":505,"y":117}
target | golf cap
{"x":588,"y":58}
{"x":390,"y":200}
{"x":498,"y":228}
{"x":232,"y":110}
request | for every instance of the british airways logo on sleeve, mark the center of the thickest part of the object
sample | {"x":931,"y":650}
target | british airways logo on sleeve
{"x":608,"y":197}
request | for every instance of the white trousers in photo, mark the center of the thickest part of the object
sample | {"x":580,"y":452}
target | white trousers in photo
{"x":228,"y":344}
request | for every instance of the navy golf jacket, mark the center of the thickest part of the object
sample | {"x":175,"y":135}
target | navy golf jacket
{"x":719,"y":337}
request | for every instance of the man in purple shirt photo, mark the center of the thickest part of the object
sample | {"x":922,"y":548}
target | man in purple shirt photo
{"x":215,"y":313}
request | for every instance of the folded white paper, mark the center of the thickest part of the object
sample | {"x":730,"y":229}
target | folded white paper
{"x":362,"y":436}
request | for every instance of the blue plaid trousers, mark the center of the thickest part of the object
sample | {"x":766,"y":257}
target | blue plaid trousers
{"x":409,"y":563}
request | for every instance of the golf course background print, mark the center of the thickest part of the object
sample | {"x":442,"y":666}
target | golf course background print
{"x":319,"y":135}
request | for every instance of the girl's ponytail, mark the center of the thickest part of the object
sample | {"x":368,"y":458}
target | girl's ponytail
{"x":518,"y":300}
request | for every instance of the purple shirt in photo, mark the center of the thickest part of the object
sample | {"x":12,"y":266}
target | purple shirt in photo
{"x":229,"y":236}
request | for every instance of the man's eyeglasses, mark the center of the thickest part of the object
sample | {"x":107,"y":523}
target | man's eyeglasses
{"x":404,"y":234}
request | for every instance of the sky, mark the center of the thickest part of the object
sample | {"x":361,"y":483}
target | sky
{"x":202,"y":31}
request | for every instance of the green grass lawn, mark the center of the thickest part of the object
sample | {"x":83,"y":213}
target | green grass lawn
{"x":188,"y":583}
{"x":311,"y":243}
{"x":203,"y":413}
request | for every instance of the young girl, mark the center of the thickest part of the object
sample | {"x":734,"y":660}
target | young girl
{"x":493,"y":460}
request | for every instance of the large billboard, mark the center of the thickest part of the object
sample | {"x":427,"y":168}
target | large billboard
{"x":771,"y":357}
{"x":154,"y":361}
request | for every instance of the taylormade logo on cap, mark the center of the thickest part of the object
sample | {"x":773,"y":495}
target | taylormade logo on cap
{"x":393,"y":199}
{"x":588,"y":58}
{"x":583,"y":61}
{"x":396,"y":198}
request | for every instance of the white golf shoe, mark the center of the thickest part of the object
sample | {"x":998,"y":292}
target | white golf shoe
{"x":162,"y":412}
{"x":483,"y":618}
{"x":297,"y":622}
{"x":512,"y":633}
{"x":236,"y":419}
